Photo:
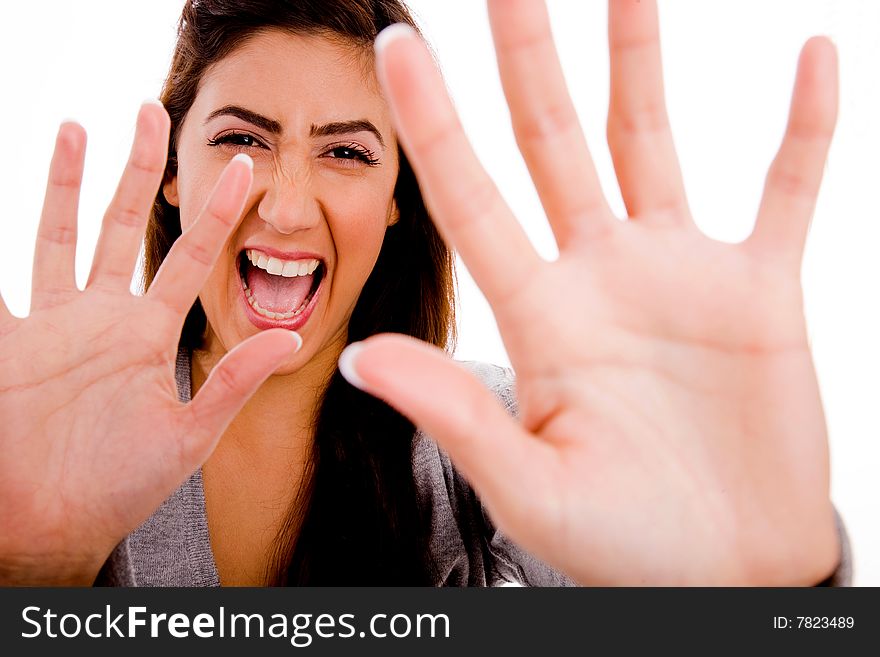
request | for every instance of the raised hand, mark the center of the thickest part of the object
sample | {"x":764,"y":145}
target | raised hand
{"x":91,"y":431}
{"x":670,"y":430}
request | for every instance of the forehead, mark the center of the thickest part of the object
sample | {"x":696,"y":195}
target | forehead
{"x":296,"y":79}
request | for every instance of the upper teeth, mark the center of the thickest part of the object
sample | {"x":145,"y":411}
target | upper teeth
{"x":286,"y":268}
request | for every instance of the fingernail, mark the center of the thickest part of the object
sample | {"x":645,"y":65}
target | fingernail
{"x":347,"y":365}
{"x":153,"y":101}
{"x":244,"y":157}
{"x":392,"y":33}
{"x":299,"y":341}
{"x":72,"y":137}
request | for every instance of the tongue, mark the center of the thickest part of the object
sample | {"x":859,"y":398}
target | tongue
{"x":277,"y":293}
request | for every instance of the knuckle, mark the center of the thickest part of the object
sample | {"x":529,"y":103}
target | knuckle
{"x":525,"y":41}
{"x":439,"y":137}
{"x":145,"y":163}
{"x":478,"y":409}
{"x":635,"y":45}
{"x":196,"y":251}
{"x":129,"y":217}
{"x":62,"y":235}
{"x":810,"y":131}
{"x":227,"y":378}
{"x":646,"y":114}
{"x":546,"y":122}
{"x":51,"y":294}
{"x":66,"y":180}
{"x":790,"y":182}
{"x":215,"y":214}
{"x":480,"y":201}
{"x":582,"y":208}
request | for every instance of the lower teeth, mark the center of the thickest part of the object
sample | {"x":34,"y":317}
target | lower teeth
{"x":268,"y":313}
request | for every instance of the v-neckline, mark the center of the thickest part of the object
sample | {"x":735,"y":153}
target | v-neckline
{"x":198,"y":538}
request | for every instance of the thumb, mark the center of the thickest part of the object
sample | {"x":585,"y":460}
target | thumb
{"x":231,"y":383}
{"x":498,"y":457}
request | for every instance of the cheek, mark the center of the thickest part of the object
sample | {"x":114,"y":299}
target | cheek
{"x":358,"y":232}
{"x":357,"y":236}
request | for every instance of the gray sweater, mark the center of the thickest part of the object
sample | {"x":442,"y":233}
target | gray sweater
{"x":172,"y":548}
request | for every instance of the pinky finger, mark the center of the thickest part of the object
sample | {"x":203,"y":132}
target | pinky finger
{"x":795,"y":176}
{"x":54,"y":275}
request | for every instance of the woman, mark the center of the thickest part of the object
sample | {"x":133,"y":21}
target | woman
{"x":657,"y":371}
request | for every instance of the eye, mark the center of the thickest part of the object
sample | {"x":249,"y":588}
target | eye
{"x":354,"y":153}
{"x":237,"y":140}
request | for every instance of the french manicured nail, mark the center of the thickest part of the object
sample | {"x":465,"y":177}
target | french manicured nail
{"x":392,"y":33}
{"x":299,"y":341}
{"x":347,"y":360}
{"x":70,"y":137}
{"x":244,"y":157}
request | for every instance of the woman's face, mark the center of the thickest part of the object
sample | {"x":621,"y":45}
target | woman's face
{"x":308,"y":111}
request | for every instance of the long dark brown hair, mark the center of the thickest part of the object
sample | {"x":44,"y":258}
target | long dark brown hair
{"x":357,"y":518}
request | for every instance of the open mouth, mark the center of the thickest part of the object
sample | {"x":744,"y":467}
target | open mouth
{"x":277,"y":289}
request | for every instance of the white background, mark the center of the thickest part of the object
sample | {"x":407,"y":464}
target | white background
{"x":729,"y":71}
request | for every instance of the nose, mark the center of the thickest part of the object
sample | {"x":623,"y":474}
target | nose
{"x":287,"y":205}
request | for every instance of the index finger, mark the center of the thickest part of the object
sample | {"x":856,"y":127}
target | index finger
{"x":466,"y":206}
{"x":192,"y":257}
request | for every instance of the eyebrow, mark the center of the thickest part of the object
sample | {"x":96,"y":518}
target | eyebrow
{"x":267,"y":124}
{"x":274,"y":127}
{"x":346,"y":127}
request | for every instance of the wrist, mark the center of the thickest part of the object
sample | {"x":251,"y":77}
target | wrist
{"x":820,"y":557}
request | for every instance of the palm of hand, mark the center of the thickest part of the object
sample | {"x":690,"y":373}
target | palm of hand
{"x":83,"y":378}
{"x":95,"y":434}
{"x":682,"y":358}
{"x":671,"y":427}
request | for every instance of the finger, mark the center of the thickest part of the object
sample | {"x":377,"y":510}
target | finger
{"x":6,"y":317}
{"x":464,"y":201}
{"x":192,"y":257}
{"x":54,"y":271}
{"x":639,"y":136}
{"x":794,"y":178}
{"x":231,"y":383}
{"x":544,"y":120}
{"x":497,"y":456}
{"x":123,"y":227}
